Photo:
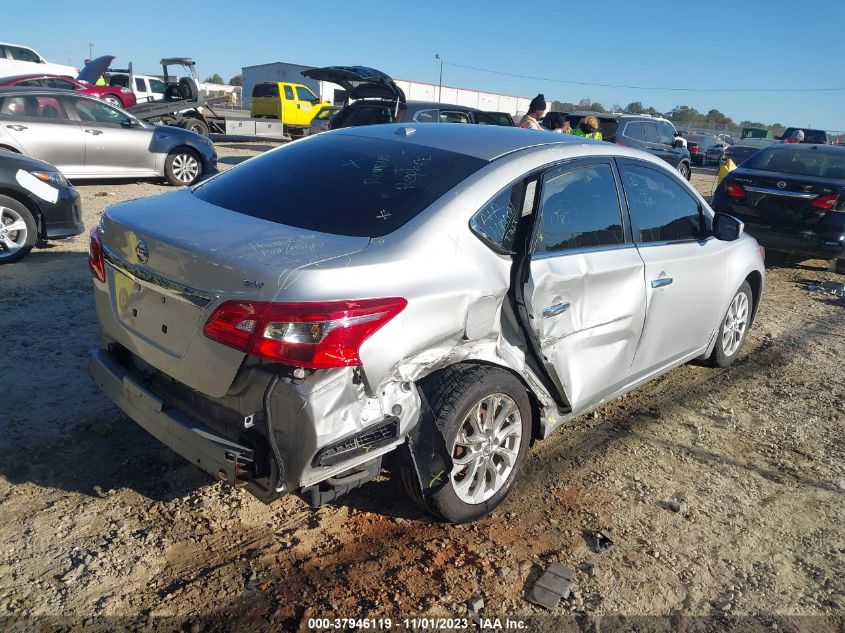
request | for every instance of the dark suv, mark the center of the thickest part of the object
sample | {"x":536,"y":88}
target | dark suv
{"x":374,"y":98}
{"x":640,"y":131}
{"x":817,"y":137}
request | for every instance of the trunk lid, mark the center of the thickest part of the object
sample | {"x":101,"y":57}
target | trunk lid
{"x":360,"y":82}
{"x":170,"y":263}
{"x":94,"y":69}
{"x":783,"y":202}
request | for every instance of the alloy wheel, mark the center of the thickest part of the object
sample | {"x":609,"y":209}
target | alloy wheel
{"x":736,"y":322}
{"x":486,"y":448}
{"x":186,"y":168}
{"x":13,"y":232}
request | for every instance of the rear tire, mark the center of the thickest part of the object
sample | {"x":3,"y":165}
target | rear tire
{"x":838,"y":266}
{"x":113,"y":101}
{"x":18,"y":230}
{"x":734,"y":328}
{"x":485,"y":417}
{"x":183,"y":167}
{"x":197,"y":125}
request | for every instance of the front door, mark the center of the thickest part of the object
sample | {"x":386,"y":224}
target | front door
{"x":41,"y":127}
{"x":112,"y":146}
{"x":585,"y":294}
{"x":684,"y":266}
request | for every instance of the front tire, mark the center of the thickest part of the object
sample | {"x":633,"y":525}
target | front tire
{"x":182,"y":167}
{"x":684,"y":170}
{"x":485,"y":417}
{"x":734,"y":328}
{"x":18,"y":230}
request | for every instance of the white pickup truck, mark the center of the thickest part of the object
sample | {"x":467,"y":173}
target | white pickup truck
{"x":22,"y":60}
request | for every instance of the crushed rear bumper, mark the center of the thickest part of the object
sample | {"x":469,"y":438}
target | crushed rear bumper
{"x":191,"y":439}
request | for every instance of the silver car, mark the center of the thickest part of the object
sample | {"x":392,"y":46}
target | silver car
{"x":86,"y":138}
{"x":447,"y":294}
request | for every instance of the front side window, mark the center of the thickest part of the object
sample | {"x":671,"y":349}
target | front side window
{"x":495,"y":223}
{"x":666,"y":132}
{"x":24,"y":55}
{"x":30,"y":82}
{"x":96,"y":112}
{"x":345,"y":185}
{"x":579,"y":208}
{"x":662,"y":210}
{"x":304,"y":94}
{"x":61,"y":84}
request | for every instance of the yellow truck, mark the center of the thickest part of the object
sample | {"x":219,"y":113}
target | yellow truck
{"x":292,"y":104}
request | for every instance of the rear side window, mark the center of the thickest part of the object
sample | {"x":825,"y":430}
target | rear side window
{"x":288,"y":93}
{"x":339,"y":184}
{"x":634,"y":131}
{"x":495,"y":223}
{"x":580,"y":209}
{"x":650,"y":132}
{"x":662,"y":210}
{"x":790,"y":160}
{"x":265,"y":90}
{"x":140,"y":85}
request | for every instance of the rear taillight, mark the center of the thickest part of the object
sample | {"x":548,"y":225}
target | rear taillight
{"x":693,"y":148}
{"x":827,"y":202}
{"x":96,"y":260}
{"x":735,"y":190}
{"x":314,"y":335}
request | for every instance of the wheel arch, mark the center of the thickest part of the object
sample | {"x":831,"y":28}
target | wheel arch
{"x":755,"y":280}
{"x":533,"y":399}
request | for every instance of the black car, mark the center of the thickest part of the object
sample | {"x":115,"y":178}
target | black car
{"x":704,"y":148}
{"x":817,"y":137}
{"x":791,"y":198}
{"x":37,"y":203}
{"x":641,"y":131}
{"x":374,"y":98}
{"x":746,"y":148}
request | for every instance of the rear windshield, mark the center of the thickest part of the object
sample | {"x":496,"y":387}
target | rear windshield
{"x":810,"y":136}
{"x":789,"y":160}
{"x":325,"y":113}
{"x":265,"y":90}
{"x":364,"y":113}
{"x":345,"y":185}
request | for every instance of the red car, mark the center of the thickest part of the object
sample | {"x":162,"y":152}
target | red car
{"x":113,"y":95}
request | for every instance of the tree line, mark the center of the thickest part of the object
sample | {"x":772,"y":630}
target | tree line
{"x":679,"y":114}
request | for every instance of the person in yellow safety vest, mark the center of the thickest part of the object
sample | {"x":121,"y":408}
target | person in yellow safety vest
{"x":589,"y":128}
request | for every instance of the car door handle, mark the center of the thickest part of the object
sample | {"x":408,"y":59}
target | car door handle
{"x":17,"y":128}
{"x":94,"y":132}
{"x":662,"y":281}
{"x":554,"y":310}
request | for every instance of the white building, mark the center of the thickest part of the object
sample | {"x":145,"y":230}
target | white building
{"x":414,"y":90}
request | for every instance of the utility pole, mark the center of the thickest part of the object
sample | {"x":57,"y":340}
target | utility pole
{"x":90,"y":49}
{"x":440,"y":82}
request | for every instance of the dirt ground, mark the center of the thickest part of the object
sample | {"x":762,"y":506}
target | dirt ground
{"x":722,"y":490}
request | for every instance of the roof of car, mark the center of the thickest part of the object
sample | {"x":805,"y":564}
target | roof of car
{"x":616,"y":115}
{"x":807,"y":147}
{"x":34,"y":76}
{"x":486,"y":142}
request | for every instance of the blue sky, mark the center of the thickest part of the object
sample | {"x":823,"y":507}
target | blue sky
{"x":714,"y":44}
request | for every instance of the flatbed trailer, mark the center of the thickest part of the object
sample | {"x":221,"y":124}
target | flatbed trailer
{"x":186,"y":107}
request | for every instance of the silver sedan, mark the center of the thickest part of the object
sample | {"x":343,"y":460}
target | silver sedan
{"x":446,"y":293}
{"x":87,"y":138}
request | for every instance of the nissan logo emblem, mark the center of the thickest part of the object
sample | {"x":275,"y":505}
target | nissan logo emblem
{"x":142,"y":252}
{"x":781,"y":184}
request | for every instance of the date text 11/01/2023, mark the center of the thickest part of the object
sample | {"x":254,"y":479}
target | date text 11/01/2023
{"x":415,"y":624}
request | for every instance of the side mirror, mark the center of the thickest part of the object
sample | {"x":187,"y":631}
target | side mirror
{"x":727,"y":228}
{"x":677,"y":143}
{"x":129,"y":122}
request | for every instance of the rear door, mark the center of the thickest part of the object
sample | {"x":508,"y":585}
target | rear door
{"x":40,"y":125}
{"x":585,"y":293}
{"x":684,"y":266}
{"x":112,"y":146}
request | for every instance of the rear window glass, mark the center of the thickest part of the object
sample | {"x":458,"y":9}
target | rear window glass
{"x":788,"y":160}
{"x":340,"y":184}
{"x":810,"y":136}
{"x":364,"y":114}
{"x":265,"y":90}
